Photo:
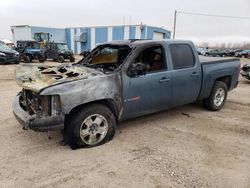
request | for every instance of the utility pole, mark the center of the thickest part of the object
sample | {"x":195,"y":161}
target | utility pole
{"x":175,"y":17}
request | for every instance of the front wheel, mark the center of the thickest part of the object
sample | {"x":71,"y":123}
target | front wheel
{"x":91,"y":126}
{"x":60,"y":59}
{"x":72,"y":59}
{"x":41,"y":58}
{"x":217,"y":97}
{"x":26,"y":59}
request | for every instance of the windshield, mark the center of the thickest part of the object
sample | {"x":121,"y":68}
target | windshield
{"x":106,"y":58}
{"x":4,"y":47}
{"x":62,"y":46}
{"x":33,"y":45}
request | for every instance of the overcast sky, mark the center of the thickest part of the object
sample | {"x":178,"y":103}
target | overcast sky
{"x":68,"y":13}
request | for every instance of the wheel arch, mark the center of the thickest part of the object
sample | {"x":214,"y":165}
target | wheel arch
{"x":110,"y":103}
{"x":226,"y":79}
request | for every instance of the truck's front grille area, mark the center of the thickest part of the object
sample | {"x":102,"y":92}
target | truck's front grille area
{"x":33,"y":103}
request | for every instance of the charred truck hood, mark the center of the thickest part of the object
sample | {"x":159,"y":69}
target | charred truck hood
{"x":37,"y":78}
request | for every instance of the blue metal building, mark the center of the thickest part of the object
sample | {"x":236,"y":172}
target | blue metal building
{"x":82,"y":38}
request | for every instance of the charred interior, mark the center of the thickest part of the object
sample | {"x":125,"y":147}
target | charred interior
{"x":106,"y":58}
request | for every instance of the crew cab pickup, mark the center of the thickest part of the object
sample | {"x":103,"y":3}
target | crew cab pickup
{"x":118,"y":81}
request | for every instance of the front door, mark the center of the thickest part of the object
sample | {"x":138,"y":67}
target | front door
{"x":52,"y":51}
{"x":150,"y":92}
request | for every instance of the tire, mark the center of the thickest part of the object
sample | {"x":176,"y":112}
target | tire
{"x":72,"y":59}
{"x":60,"y":59}
{"x":89,"y":119}
{"x":26,"y":59}
{"x":41,"y":59}
{"x":206,"y":54}
{"x":217,"y":97}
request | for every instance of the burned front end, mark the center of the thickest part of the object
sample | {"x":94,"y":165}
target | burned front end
{"x":38,"y":112}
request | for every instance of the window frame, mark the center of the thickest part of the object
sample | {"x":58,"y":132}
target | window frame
{"x":184,"y":67}
{"x":163,"y":50}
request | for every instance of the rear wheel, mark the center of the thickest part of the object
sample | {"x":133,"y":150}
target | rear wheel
{"x":217,"y":97}
{"x":60,"y":59}
{"x":91,"y":126}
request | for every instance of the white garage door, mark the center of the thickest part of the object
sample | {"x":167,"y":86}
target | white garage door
{"x":158,"y":36}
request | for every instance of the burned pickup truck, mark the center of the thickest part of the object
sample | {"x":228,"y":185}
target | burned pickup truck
{"x":119,"y":81}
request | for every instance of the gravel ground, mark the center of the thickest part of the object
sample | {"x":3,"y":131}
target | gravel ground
{"x":183,"y":147}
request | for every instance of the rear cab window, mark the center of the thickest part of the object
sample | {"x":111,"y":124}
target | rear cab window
{"x":182,"y":56}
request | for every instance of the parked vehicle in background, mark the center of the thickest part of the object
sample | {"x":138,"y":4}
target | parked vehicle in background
{"x":30,"y":50}
{"x":8,"y":43}
{"x":85,"y":53}
{"x":245,"y":71}
{"x":58,"y":52}
{"x":214,"y":52}
{"x":8,"y":55}
{"x":118,"y":81}
{"x":199,"y":51}
{"x":243,"y":54}
{"x":233,"y":52}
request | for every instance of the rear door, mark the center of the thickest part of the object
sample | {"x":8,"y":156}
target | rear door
{"x":186,"y":74}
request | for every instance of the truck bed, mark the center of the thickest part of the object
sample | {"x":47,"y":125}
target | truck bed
{"x":207,"y":60}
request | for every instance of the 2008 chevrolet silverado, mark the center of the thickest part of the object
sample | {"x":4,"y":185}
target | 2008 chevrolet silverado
{"x":118,"y":81}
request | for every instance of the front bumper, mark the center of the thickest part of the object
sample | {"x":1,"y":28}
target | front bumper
{"x":245,"y":74}
{"x":13,"y":59}
{"x":36,"y":122}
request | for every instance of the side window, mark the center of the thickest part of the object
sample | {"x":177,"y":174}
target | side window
{"x":153,"y":57}
{"x":182,"y":56}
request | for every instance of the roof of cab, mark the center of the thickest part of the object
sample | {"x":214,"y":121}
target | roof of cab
{"x":139,"y":42}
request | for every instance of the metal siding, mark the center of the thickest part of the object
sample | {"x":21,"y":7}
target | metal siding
{"x":151,"y":30}
{"x":78,"y":43}
{"x":137,"y":32}
{"x":72,"y":47}
{"x":75,"y":43}
{"x":132,"y":32}
{"x":143,"y":32}
{"x":92,"y":33}
{"x":67,"y":31}
{"x":101,"y":35}
{"x":58,"y":35}
{"x":126,"y":32}
{"x":110,"y":33}
{"x":118,"y":33}
{"x":84,"y":44}
{"x":88,"y":45}
{"x":21,"y":33}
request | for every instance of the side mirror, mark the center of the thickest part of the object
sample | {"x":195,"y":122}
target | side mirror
{"x":137,"y":69}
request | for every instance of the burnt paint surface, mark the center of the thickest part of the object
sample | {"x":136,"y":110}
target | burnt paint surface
{"x":86,"y":85}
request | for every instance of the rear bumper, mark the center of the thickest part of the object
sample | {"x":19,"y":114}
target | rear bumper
{"x":36,"y":122}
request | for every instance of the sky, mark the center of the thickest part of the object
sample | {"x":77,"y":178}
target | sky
{"x":160,"y":13}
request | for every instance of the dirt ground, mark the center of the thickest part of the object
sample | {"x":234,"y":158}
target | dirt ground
{"x":183,"y":147}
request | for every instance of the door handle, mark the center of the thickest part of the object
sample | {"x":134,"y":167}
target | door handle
{"x":195,"y":74}
{"x":164,"y":79}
